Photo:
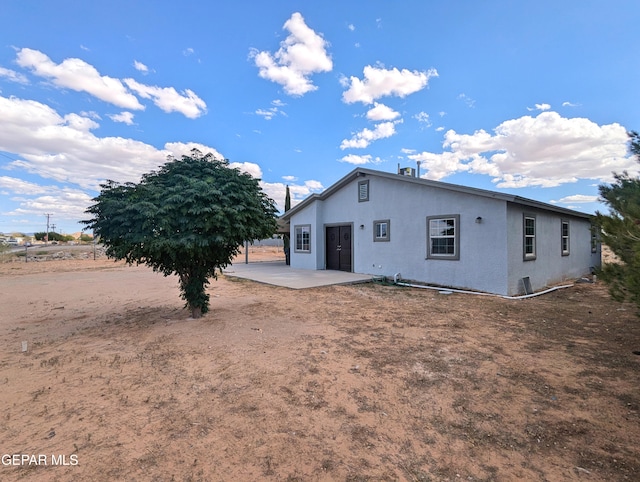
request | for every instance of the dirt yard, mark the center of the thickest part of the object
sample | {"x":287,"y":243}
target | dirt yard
{"x":349,"y":383}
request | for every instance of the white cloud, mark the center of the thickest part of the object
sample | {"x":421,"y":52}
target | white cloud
{"x":541,"y":107}
{"x":439,"y":129}
{"x":179,"y":149}
{"x":80,"y":123}
{"x":65,"y":203}
{"x":277,"y":191}
{"x":66,"y":150}
{"x":140,"y":66}
{"x":577,"y":198}
{"x":356,"y":160}
{"x":20,"y":186}
{"x":381,"y":112}
{"x":169,"y":100}
{"x":313,"y":185}
{"x":438,"y":166}
{"x":267,"y":114}
{"x":13,"y":76}
{"x":290,"y":178}
{"x":34,"y":199}
{"x":380,"y":82}
{"x":91,"y":114}
{"x":124,"y":117}
{"x":250,"y":168}
{"x":188,"y":52}
{"x":547,"y":150}
{"x":271,"y":112}
{"x":300,"y":55}
{"x":423,"y":118}
{"x":360,"y":160}
{"x":366,"y":136}
{"x":78,"y":75}
{"x":570,"y":104}
{"x":351,"y":27}
{"x":467,"y":100}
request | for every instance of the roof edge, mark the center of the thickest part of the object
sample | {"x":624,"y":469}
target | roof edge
{"x":361,"y":171}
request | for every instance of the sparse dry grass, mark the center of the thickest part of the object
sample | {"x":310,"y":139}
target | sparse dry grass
{"x":366,"y":382}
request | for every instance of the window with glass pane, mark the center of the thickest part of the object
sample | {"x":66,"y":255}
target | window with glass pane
{"x":443,"y":237}
{"x":303,"y":238}
{"x":594,"y":239}
{"x":565,"y":238}
{"x":529,"y":237}
{"x":382,"y":230}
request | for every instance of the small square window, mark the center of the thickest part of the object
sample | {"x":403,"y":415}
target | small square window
{"x":382,"y":230}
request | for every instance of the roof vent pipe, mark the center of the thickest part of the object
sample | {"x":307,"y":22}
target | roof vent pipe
{"x":418,"y":162}
{"x":397,"y":277}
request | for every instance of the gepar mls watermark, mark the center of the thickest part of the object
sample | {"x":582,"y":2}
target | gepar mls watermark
{"x":26,"y":460}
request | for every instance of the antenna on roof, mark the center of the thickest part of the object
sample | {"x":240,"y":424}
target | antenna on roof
{"x":418,"y":162}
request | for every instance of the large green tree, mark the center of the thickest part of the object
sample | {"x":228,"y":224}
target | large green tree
{"x":620,"y":230}
{"x":189,"y":218}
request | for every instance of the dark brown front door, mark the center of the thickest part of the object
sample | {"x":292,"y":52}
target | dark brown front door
{"x":339,"y":248}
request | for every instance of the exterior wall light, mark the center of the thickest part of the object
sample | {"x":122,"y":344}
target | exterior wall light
{"x":479,"y":219}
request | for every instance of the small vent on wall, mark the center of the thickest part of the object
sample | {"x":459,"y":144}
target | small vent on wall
{"x":526,"y":282}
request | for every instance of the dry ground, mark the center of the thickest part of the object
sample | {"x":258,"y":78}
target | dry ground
{"x":350,"y":383}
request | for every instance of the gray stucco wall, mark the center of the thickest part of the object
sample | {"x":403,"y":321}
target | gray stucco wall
{"x":549,"y":266}
{"x":490,"y":251}
{"x":483,"y":261}
{"x":310,"y":260}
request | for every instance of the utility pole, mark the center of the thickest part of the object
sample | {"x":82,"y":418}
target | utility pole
{"x":46,"y":236}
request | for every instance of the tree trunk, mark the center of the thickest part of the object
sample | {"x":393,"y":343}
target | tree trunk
{"x":192,"y":288}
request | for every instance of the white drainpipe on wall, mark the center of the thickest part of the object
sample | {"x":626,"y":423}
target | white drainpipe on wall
{"x":397,"y":277}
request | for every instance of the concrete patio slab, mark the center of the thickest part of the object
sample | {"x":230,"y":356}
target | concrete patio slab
{"x":279,"y":274}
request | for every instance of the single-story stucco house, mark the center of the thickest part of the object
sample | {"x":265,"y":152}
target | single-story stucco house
{"x":387,"y":224}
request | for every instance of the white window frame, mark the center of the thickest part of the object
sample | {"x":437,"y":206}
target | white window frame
{"x":565,"y":238}
{"x":378,"y":234}
{"x":528,"y":255}
{"x":433,"y":235}
{"x":299,"y":239}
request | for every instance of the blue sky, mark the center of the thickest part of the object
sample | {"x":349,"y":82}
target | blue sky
{"x":530,"y":98}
